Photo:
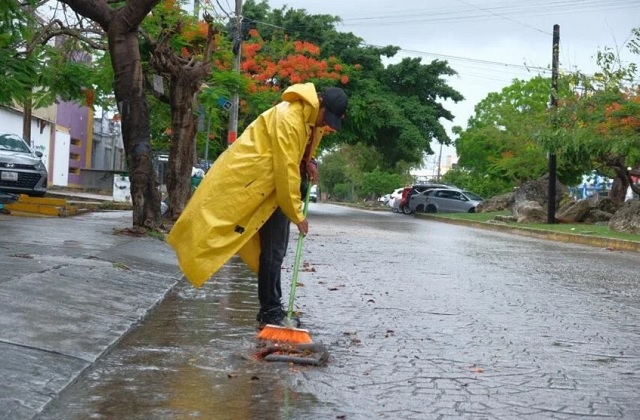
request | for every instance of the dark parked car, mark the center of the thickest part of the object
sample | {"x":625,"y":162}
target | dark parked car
{"x":449,"y":200}
{"x":21,"y":170}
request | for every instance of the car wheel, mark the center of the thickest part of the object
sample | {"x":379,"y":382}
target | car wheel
{"x":431,"y":209}
{"x":406,"y":210}
{"x":472,"y":210}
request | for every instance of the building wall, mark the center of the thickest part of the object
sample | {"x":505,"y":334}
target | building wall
{"x":108,"y":148}
{"x":79,"y":121}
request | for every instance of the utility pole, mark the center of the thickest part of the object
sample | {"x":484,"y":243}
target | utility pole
{"x":551,"y":207}
{"x":235,"y":100}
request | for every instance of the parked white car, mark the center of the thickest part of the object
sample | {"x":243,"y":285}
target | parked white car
{"x":395,"y":195}
{"x":313,"y":194}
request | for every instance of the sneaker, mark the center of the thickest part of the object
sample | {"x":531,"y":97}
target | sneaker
{"x":276,"y":316}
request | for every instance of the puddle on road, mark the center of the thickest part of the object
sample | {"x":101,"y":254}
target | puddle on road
{"x":191,"y":358}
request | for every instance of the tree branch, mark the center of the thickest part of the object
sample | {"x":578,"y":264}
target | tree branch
{"x":56,"y":28}
{"x":96,"y":10}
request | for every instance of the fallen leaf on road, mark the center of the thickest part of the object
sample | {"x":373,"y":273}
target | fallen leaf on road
{"x":308,"y":267}
{"x":121,"y":266}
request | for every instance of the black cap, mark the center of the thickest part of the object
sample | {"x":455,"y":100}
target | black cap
{"x":334,"y":102}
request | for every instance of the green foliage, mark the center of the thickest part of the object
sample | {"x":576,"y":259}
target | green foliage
{"x":482,"y":185}
{"x":358,"y":168}
{"x":332,"y":173}
{"x":18,"y":70}
{"x":600,"y":125}
{"x":377,"y":183}
{"x":605,"y":127}
{"x":37,"y":72}
{"x":17,"y":74}
{"x":342,"y":192}
{"x":160,"y":122}
{"x":508,"y":138}
{"x":395,"y":110}
{"x":70,"y":80}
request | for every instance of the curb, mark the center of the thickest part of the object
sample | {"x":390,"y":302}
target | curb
{"x":608,"y":243}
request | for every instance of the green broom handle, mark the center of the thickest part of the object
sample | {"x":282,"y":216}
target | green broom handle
{"x":296,"y":264}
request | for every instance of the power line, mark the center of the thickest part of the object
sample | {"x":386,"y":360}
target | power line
{"x":512,"y":70}
{"x":472,"y":60}
{"x":533,"y":9}
{"x":505,"y":17}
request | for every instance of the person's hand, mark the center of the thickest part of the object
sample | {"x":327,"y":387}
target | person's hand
{"x":312,"y":171}
{"x":303,"y":227}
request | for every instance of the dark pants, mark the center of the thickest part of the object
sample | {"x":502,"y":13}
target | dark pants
{"x":274,"y":238}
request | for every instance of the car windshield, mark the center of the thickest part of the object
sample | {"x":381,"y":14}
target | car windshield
{"x":472,"y":196}
{"x":13,"y":143}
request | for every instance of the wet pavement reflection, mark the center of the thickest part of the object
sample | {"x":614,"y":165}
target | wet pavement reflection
{"x":423,"y":320}
{"x":191,"y":358}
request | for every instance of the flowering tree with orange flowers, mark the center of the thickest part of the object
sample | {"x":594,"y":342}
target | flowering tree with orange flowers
{"x":602,"y":121}
{"x":272,"y":66}
{"x":606,"y":127}
{"x":267,"y":68}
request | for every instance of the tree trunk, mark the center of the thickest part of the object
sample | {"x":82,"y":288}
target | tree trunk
{"x":621,"y":180}
{"x":26,"y":119}
{"x":121,"y":26}
{"x":183,"y":133}
{"x":185,"y":78}
{"x":136,"y":133}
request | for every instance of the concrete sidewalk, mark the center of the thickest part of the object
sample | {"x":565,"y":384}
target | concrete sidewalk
{"x":70,"y":288}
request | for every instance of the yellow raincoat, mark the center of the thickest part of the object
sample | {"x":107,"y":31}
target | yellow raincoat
{"x":254,"y":176}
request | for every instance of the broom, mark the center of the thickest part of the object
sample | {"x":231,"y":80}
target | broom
{"x":287,"y":333}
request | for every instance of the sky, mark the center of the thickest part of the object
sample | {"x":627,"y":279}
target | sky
{"x":488,"y":42}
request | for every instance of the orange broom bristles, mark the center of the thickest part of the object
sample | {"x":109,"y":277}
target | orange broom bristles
{"x":285,"y":334}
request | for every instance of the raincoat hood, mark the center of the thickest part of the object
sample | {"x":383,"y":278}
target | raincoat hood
{"x":304,"y":92}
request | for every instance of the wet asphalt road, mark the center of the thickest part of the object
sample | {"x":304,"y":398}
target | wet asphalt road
{"x":423,"y":320}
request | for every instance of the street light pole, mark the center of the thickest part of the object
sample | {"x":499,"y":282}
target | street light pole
{"x":439,"y":163}
{"x":235,"y":100}
{"x":206,"y":145}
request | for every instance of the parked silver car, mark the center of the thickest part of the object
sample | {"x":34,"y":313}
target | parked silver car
{"x":21,"y":170}
{"x":403,"y":205}
{"x":446,"y":200}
